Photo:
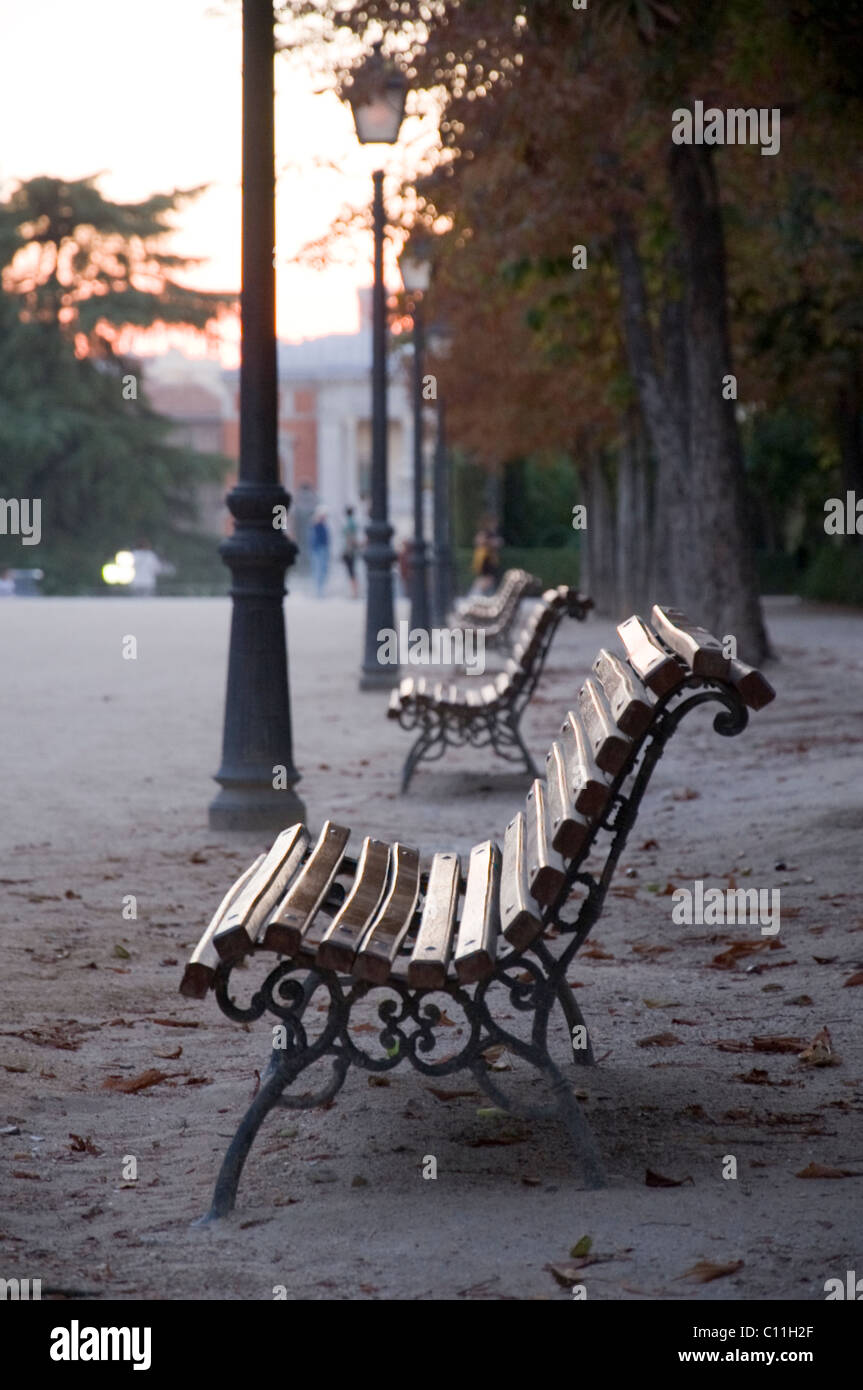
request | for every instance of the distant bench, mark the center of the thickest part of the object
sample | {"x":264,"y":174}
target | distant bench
{"x":334,"y":927}
{"x":447,"y":714}
{"x":496,"y":613}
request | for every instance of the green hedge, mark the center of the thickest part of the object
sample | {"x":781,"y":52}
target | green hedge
{"x":553,"y":565}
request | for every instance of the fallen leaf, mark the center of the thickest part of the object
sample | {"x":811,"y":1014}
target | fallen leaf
{"x":34,"y":1177}
{"x":644,"y":948}
{"x":594,"y":952}
{"x":495,"y":1058}
{"x":176,"y":1022}
{"x":727,"y":959}
{"x":825,"y":960}
{"x":759,"y":1076}
{"x":168,"y":1054}
{"x":121,"y":953}
{"x":768,"y":1043}
{"x":819,"y":1052}
{"x":566,"y":1275}
{"x":130,"y":1084}
{"x":581,"y":1247}
{"x":685,"y":794}
{"x":659,"y":1040}
{"x":441,"y":1094}
{"x":661,"y":1003}
{"x":529,"y":1181}
{"x":652,"y":1179}
{"x":379,"y":1080}
{"x":705,"y":1270}
{"x":821,"y":1170}
{"x":650,"y":844}
{"x":856,"y":979}
{"x":80,"y":1146}
{"x":363,"y":1028}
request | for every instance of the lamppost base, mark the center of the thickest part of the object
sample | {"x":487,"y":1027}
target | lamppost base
{"x":379,"y":677}
{"x":252,"y":806}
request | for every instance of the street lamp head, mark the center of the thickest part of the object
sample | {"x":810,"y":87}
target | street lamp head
{"x":377,"y":100}
{"x":416,"y":269}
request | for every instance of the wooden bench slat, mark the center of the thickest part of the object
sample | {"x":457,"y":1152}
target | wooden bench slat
{"x":610,"y":747}
{"x":518,"y":911}
{"x":545,"y":873}
{"x":698,"y":647}
{"x":431,"y":953}
{"x":476,"y":944}
{"x":653,"y":666}
{"x":631,"y":706}
{"x":380,"y":946}
{"x":290,"y":918}
{"x":201,"y":967}
{"x":569,"y":829}
{"x":250,"y":909}
{"x":341,"y":937}
{"x":588,"y":789}
{"x":755,"y":689}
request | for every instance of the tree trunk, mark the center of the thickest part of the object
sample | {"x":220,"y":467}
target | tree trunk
{"x":598,"y":541}
{"x":720,"y":581}
{"x":634,"y":533}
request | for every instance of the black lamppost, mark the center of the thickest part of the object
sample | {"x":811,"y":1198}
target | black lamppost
{"x":257,"y":774}
{"x":443,"y":581}
{"x":377,"y":99}
{"x":416,"y":274}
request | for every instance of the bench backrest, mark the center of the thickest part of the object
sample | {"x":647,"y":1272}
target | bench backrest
{"x":620,"y":705}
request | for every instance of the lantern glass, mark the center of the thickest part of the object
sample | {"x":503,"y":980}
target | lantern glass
{"x":379,"y":102}
{"x":416,"y":272}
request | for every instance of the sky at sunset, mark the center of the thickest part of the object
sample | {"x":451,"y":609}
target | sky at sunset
{"x":151,"y":95}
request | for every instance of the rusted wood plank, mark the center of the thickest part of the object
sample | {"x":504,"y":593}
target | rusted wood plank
{"x":476,"y":944}
{"x":201,"y":967}
{"x":518,"y":911}
{"x":588,"y":789}
{"x":250,"y":909}
{"x":341,"y":937}
{"x":545,"y":873}
{"x":285,"y":928}
{"x":699,"y":648}
{"x":610,"y":748}
{"x":432,"y":948}
{"x":658,"y":671}
{"x":381,"y":944}
{"x":632,"y":707}
{"x":569,"y":829}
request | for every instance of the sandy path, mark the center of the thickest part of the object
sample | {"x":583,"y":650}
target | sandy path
{"x":106,"y":768}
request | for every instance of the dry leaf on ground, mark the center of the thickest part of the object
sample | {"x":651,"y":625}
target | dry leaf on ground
{"x":130,"y":1084}
{"x":819,"y":1053}
{"x":706,"y":1270}
{"x":822,"y":1170}
{"x":652,"y":1179}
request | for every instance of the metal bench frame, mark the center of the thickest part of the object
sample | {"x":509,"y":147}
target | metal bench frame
{"x":408,"y":1020}
{"x":441,"y":725}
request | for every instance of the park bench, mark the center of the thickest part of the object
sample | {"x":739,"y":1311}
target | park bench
{"x":496,"y":613}
{"x":447,"y":714}
{"x":333,"y":928}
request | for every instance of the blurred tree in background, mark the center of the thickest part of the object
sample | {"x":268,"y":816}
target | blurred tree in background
{"x":75,"y":427}
{"x":700,"y":262}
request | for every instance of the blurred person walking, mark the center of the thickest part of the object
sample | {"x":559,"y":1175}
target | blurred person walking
{"x":320,"y":550}
{"x":350,"y":547}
